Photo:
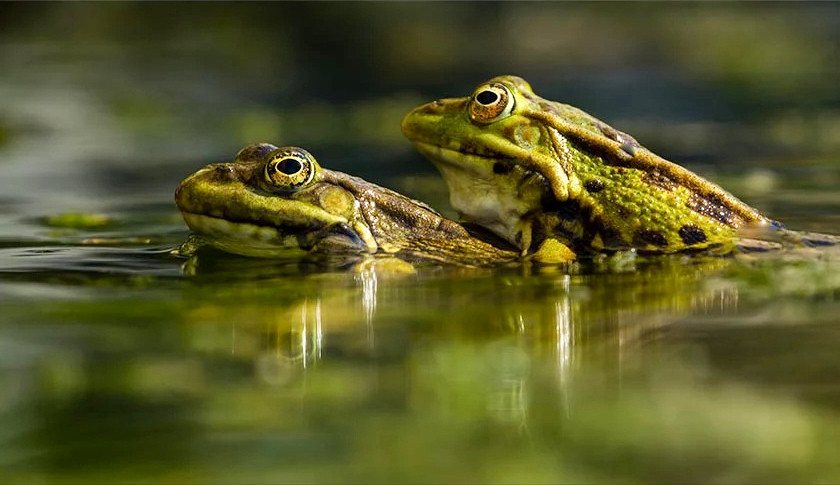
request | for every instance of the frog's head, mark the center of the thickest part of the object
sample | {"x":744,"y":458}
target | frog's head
{"x":479,"y":133}
{"x":272,"y":201}
{"x":490,"y":147}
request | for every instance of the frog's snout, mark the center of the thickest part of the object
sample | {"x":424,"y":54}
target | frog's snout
{"x":427,"y":118}
{"x":189,"y":192}
{"x":411,"y":121}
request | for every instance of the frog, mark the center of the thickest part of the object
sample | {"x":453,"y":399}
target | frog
{"x":278,"y":201}
{"x":533,"y":170}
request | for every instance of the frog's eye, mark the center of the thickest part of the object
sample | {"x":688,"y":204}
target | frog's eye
{"x":491,"y":102}
{"x":289,"y":169}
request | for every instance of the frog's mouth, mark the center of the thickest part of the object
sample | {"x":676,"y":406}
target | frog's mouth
{"x":253,"y":239}
{"x":470,"y":164}
{"x":240,"y":237}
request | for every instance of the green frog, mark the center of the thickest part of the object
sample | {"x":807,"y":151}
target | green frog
{"x":274,"y":201}
{"x":535,"y":171}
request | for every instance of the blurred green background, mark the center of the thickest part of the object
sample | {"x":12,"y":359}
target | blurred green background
{"x":724,"y":83}
{"x":119,"y":366}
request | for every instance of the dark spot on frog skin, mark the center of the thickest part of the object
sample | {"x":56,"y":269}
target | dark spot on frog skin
{"x":612,"y":238}
{"x":569,"y":210}
{"x":622,"y":212}
{"x":549,"y":203}
{"x":659,"y":180}
{"x":501,"y":168}
{"x":691,"y":234}
{"x":572,"y":221}
{"x":567,"y":230}
{"x":654,"y":238}
{"x":710,"y":205}
{"x":593,"y":186}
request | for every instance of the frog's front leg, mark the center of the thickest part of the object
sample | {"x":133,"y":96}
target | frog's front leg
{"x":558,"y":170}
{"x":189,"y":247}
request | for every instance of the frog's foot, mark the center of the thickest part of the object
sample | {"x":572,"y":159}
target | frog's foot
{"x":551,"y":251}
{"x":189,"y":247}
{"x":808,"y":239}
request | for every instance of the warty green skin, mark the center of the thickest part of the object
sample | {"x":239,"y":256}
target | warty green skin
{"x":551,"y":171}
{"x":233,"y":207}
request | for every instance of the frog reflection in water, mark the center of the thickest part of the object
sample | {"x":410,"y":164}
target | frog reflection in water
{"x":535,"y":171}
{"x":274,"y":201}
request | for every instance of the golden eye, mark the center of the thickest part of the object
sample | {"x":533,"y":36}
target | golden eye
{"x":491,"y":102}
{"x":289,"y":169}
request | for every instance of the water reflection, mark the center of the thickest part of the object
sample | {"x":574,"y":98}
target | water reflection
{"x":300,"y":346}
{"x":512,"y":365}
{"x":368,"y":279}
{"x":576,"y":321}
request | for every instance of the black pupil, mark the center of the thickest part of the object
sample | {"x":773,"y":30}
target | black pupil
{"x":487,"y":97}
{"x":289,"y":166}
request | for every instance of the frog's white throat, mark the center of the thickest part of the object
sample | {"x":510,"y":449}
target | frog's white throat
{"x":478,"y":194}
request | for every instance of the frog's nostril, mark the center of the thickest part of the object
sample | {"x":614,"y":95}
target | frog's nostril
{"x":432,"y":108}
{"x":223,"y":172}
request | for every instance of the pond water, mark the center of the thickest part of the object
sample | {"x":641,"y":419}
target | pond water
{"x":119,"y":367}
{"x":120,"y":363}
